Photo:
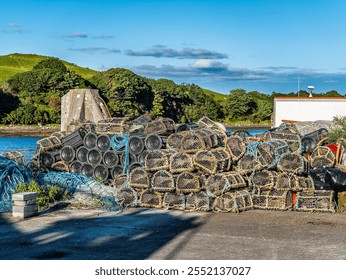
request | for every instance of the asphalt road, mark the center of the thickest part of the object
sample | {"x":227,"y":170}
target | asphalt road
{"x":159,"y":234}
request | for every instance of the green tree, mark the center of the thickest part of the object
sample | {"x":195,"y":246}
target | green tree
{"x":240,"y":104}
{"x":126,"y":93}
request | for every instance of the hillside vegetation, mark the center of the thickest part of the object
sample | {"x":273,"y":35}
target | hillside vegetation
{"x":31,"y":87}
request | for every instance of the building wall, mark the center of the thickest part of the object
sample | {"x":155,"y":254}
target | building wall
{"x":308,"y":108}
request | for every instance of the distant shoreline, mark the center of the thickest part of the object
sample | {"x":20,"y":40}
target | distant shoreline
{"x":44,"y":131}
{"x":28,"y":130}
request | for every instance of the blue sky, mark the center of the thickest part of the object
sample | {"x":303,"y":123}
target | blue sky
{"x":220,"y":45}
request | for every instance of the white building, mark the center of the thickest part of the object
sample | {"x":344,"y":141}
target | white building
{"x":290,"y":108}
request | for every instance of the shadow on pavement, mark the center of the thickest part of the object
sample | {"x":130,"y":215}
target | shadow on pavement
{"x":125,"y":236}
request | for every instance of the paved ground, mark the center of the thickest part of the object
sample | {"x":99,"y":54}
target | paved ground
{"x":159,"y":234}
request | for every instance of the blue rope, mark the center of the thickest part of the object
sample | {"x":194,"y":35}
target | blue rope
{"x":11,"y":174}
{"x":120,"y":142}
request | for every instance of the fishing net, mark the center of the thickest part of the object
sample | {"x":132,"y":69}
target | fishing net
{"x":60,"y":166}
{"x":197,"y":202}
{"x":272,"y":200}
{"x":111,"y":126}
{"x":268,"y":153}
{"x":174,"y":201}
{"x":16,"y":156}
{"x":292,"y":163}
{"x":236,"y":147}
{"x":163,"y":126}
{"x":163,"y":181}
{"x":187,"y":182}
{"x":192,"y":142}
{"x":248,"y":163}
{"x":234,"y":202}
{"x":223,"y":182}
{"x":263,"y":179}
{"x":174,"y":141}
{"x":322,"y":156}
{"x":139,"y":178}
{"x":319,"y":200}
{"x":283,"y":181}
{"x":156,"y":160}
{"x":300,"y":183}
{"x":126,"y":197}
{"x":180,"y":162}
{"x":150,"y":198}
{"x":292,"y":138}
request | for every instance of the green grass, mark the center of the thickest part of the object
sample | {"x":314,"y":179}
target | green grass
{"x":12,"y":64}
{"x":215,"y":95}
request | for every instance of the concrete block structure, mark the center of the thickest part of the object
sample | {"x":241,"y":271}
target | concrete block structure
{"x":24,"y":204}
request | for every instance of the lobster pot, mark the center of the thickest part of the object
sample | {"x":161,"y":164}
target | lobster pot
{"x":103,"y":142}
{"x":136,"y":145}
{"x":60,"y":166}
{"x":236,"y":147}
{"x":174,"y":201}
{"x":174,"y":141}
{"x":110,"y":159}
{"x":186,"y":127}
{"x":163,"y":181}
{"x":322,"y":156}
{"x":90,"y":140}
{"x":234,"y":202}
{"x":162,"y":126}
{"x":82,"y":154}
{"x":76,"y":166}
{"x":292,"y":139}
{"x":58,"y":135}
{"x":223,"y":182}
{"x":139,"y":178}
{"x":120,"y":181}
{"x":87,"y":170}
{"x":320,"y":200}
{"x":74,"y":139}
{"x":116,"y":171}
{"x":94,"y":157}
{"x":48,"y":158}
{"x":213,"y":161}
{"x":268,"y":153}
{"x":197,"y":202}
{"x":283,"y":182}
{"x":101,"y":172}
{"x":111,"y":126}
{"x":16,"y":156}
{"x":300,"y":183}
{"x":156,"y":160}
{"x":46,"y":144}
{"x":209,"y":137}
{"x":155,"y":142}
{"x":292,"y":163}
{"x":205,"y":122}
{"x":126,"y":197}
{"x":134,"y":165}
{"x":141,"y":157}
{"x":180,"y":162}
{"x":263,"y":179}
{"x":192,"y":143}
{"x":132,"y":158}
{"x":187,"y":182}
{"x":272,"y":200}
{"x":150,"y":198}
{"x":67,"y":154}
{"x":248,"y":163}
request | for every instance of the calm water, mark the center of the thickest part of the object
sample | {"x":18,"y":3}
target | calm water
{"x":27,"y":144}
{"x":24,"y":144}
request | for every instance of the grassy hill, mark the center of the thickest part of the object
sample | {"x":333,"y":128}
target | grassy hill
{"x":12,"y":64}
